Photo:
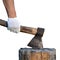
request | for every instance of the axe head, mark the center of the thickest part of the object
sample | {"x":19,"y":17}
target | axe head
{"x":36,"y":41}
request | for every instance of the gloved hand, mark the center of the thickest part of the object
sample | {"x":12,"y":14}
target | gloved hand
{"x":13,"y":25}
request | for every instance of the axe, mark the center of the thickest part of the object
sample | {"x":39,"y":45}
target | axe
{"x":36,"y":41}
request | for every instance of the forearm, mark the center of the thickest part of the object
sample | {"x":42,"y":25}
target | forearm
{"x":10,"y":8}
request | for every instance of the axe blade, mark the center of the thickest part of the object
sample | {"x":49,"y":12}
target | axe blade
{"x":36,"y":42}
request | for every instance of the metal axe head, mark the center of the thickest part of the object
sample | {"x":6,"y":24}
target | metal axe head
{"x":36,"y":41}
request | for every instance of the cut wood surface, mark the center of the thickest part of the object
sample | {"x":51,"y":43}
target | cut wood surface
{"x":37,"y":54}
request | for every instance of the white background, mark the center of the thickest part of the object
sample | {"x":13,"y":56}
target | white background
{"x":33,"y":13}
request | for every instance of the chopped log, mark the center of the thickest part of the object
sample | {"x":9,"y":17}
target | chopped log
{"x":37,"y":54}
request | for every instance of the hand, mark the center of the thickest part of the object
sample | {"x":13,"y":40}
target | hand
{"x":13,"y":25}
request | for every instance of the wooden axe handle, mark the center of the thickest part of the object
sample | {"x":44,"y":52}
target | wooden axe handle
{"x":3,"y":23}
{"x":29,"y":30}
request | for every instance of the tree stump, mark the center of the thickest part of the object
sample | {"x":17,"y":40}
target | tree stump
{"x":37,"y":54}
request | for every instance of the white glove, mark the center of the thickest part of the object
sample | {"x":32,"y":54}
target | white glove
{"x":13,"y":25}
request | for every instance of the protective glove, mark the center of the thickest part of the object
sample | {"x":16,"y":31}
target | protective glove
{"x":13,"y":25}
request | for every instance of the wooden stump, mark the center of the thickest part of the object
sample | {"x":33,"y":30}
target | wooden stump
{"x":37,"y":54}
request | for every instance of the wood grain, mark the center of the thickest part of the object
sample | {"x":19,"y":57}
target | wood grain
{"x":29,"y":30}
{"x":37,"y":54}
{"x":3,"y":23}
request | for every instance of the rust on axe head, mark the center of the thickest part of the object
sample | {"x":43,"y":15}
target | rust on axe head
{"x":36,"y":42}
